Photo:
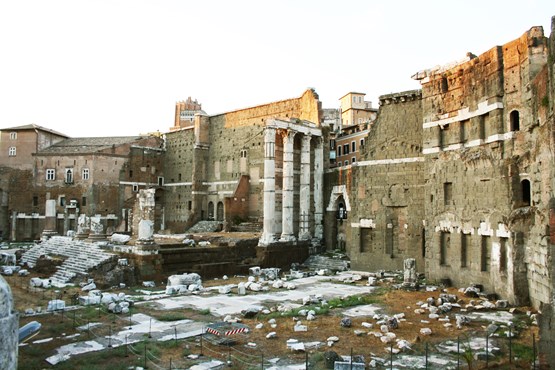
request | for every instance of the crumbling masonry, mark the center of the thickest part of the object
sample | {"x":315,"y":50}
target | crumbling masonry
{"x":459,"y":176}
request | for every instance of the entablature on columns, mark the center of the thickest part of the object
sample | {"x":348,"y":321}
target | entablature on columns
{"x":305,"y":127}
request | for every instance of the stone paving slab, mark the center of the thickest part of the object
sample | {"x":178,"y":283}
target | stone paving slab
{"x":222,"y":305}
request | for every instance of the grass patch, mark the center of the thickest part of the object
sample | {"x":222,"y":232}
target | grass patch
{"x":114,"y":359}
{"x":205,"y":311}
{"x":172,"y":316}
{"x":356,"y":300}
{"x":523,"y":352}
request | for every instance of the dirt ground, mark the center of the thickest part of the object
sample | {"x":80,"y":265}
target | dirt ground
{"x":391,"y":300}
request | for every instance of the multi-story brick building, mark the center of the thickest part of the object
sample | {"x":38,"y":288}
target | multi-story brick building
{"x":19,"y":144}
{"x":84,"y":175}
{"x":356,"y":117}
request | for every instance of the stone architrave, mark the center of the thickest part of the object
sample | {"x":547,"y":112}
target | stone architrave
{"x":9,"y":328}
{"x":287,"y":232}
{"x":49,"y":219}
{"x":409,"y":275}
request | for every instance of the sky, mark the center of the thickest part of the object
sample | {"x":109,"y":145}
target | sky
{"x":117,"y":67}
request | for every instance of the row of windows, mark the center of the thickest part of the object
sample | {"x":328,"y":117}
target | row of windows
{"x":465,"y":244}
{"x":347,"y":148}
{"x":68,"y":174}
{"x":61,"y":201}
{"x":450,"y":135}
{"x":524,"y":197}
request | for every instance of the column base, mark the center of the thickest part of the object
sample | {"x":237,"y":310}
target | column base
{"x":47,"y":234}
{"x":305,"y":236}
{"x":94,"y":238}
{"x":287,"y":238}
{"x":145,"y":247}
{"x":81,"y":236}
{"x":267,"y":239}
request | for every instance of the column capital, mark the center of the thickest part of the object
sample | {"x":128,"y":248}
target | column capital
{"x":270,"y":134}
{"x":318,"y":141}
{"x":288,"y":136}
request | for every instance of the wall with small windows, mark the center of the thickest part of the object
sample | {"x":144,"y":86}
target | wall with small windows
{"x":383,"y":186}
{"x":486,"y":164}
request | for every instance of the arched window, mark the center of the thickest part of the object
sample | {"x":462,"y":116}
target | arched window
{"x":341,"y":211}
{"x":526,"y":192}
{"x":515,"y":120}
{"x":220,"y":212}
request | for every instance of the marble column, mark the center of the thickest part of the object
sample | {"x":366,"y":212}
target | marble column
{"x":304,"y":214}
{"x":268,"y":234}
{"x":319,"y":189}
{"x":287,"y":230}
{"x":13,"y":235}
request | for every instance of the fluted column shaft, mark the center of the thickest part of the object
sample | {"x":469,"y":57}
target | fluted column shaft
{"x":287,"y":232}
{"x":304,"y":216}
{"x":268,"y":234}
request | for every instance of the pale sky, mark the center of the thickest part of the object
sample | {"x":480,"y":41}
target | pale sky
{"x":117,"y":67}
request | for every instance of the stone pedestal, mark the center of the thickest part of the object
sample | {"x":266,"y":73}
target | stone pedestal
{"x":83,"y":227}
{"x":49,"y":220}
{"x":145,"y":234}
{"x":409,"y":275}
{"x":9,"y":328}
{"x":96,"y":233}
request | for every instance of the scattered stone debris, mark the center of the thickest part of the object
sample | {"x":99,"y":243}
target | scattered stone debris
{"x":119,"y":239}
{"x":55,"y":305}
{"x":346,"y":322}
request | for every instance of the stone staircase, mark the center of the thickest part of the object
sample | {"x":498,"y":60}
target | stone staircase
{"x":80,"y":257}
{"x":205,"y":227}
{"x":249,"y":227}
{"x":318,"y":262}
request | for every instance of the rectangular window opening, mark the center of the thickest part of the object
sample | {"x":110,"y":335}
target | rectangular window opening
{"x":503,"y":254}
{"x":485,"y":253}
{"x":448,"y":193}
{"x":464,"y":249}
{"x":445,"y":240}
